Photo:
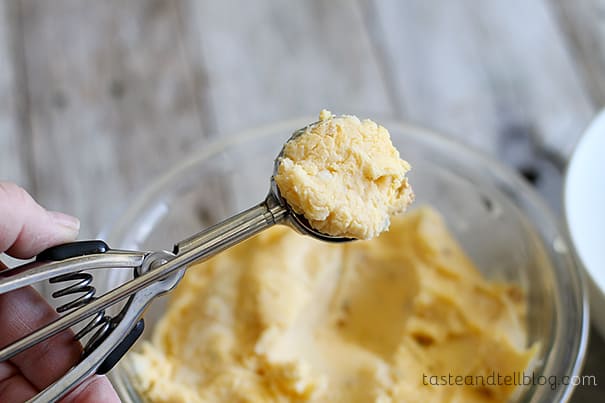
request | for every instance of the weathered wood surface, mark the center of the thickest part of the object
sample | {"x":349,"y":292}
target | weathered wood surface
{"x":112,"y":101}
{"x":481,"y":70}
{"x":118,"y":91}
{"x":282,"y":59}
{"x":98,"y":98}
{"x":582,"y":23}
{"x":13,"y":142}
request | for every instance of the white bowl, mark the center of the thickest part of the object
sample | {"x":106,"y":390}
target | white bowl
{"x":584,"y":204}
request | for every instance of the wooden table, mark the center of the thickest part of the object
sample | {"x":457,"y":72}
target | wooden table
{"x":98,"y":98}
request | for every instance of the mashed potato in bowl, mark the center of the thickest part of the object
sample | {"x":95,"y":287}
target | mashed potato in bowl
{"x":284,"y":317}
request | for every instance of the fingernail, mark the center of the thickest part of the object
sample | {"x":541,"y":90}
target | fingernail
{"x":65,"y":220}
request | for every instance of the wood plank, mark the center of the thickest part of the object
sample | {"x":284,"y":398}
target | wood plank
{"x":263,"y":61}
{"x":112,"y":101}
{"x":487,"y":72}
{"x":12,"y":144}
{"x":582,"y":22}
{"x":545,"y":89}
{"x":434,"y":67}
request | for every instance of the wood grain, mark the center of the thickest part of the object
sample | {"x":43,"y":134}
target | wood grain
{"x":13,"y":166}
{"x":112,"y":101}
{"x":583,"y":22}
{"x":263,"y":61}
{"x":481,"y":70}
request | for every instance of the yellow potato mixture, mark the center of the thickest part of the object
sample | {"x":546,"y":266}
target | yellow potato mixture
{"x":286,"y":318}
{"x":344,"y":175}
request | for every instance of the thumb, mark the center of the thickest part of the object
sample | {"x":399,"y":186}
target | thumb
{"x":26,"y":228}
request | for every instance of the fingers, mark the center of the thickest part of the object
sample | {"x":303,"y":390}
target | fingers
{"x":13,"y":386}
{"x":21,"y":312}
{"x":26,"y":228}
{"x":96,"y":389}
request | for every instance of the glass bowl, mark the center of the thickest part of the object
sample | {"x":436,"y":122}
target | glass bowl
{"x":500,"y":221}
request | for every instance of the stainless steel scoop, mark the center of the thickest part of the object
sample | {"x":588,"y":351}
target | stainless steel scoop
{"x":154,"y":273}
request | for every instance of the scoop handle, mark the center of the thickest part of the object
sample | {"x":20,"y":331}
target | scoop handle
{"x":233,"y":230}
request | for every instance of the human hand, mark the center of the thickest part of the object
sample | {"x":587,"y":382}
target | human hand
{"x":26,"y":229}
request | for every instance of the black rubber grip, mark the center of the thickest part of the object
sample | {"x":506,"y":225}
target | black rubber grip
{"x":122,"y":348}
{"x":72,"y":249}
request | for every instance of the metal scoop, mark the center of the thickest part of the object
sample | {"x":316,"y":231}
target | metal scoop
{"x":154,"y":273}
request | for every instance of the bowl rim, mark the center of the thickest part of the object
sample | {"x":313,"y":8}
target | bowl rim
{"x":209,"y":146}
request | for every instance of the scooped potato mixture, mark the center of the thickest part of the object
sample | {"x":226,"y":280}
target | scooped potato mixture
{"x":344,"y":176}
